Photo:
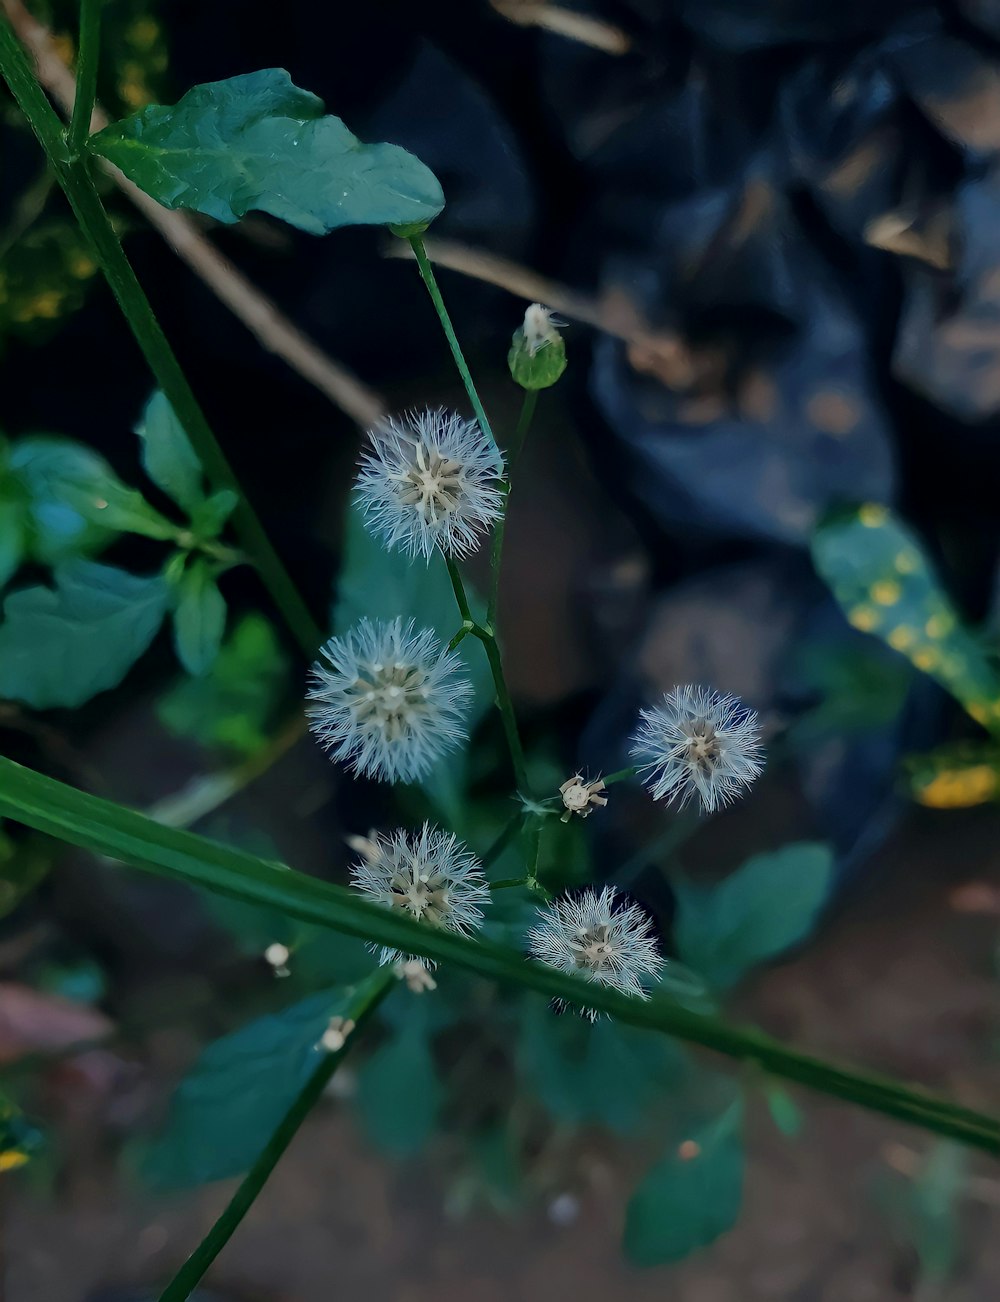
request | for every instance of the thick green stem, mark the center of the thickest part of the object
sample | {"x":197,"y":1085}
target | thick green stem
{"x":192,"y":1272}
{"x":513,"y":452}
{"x":88,"y":57}
{"x":504,"y":703}
{"x":99,"y":825}
{"x":74,"y":178}
{"x":430,"y":281}
{"x":622,"y":775}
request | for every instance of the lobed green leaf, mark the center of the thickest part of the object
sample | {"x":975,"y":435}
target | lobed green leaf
{"x":259,"y":142}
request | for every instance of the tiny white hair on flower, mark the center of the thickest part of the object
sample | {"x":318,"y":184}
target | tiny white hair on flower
{"x":428,"y":481}
{"x":600,"y":935}
{"x":429,"y":875}
{"x":388,"y":700}
{"x":698,"y":743}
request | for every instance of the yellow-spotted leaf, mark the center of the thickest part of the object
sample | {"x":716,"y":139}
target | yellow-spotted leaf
{"x":879,"y":573}
{"x":955,"y":777}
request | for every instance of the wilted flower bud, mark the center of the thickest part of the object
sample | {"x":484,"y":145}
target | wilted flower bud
{"x":537,"y":354}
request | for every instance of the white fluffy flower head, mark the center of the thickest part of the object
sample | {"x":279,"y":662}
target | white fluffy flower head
{"x":388,"y":700}
{"x":429,"y":480}
{"x":697,"y":742}
{"x":599,"y":935}
{"x":428,"y":875}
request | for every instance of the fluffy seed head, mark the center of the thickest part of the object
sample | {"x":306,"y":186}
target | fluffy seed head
{"x":698,"y":743}
{"x":429,"y":480}
{"x":388,"y":700}
{"x":599,"y":935}
{"x":428,"y":875}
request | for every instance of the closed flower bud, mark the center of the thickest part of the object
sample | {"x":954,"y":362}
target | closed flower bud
{"x":537,"y":354}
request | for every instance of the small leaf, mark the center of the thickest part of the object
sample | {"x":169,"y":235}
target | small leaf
{"x":199,"y":618}
{"x":209,"y":518}
{"x":13,"y":535}
{"x":886,"y":586}
{"x":235,"y":702}
{"x":69,"y":487}
{"x":690,"y":1198}
{"x":61,"y":646}
{"x":167,"y":455}
{"x":785,"y":1112}
{"x":756,"y":913}
{"x":258,"y":142}
{"x":398,"y":1091}
{"x":225,"y":1109}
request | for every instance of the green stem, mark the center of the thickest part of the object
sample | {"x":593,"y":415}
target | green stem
{"x":187,"y":1279}
{"x":109,"y":829}
{"x":88,"y":56}
{"x":622,"y":775}
{"x":503,"y":701}
{"x":77,"y":184}
{"x":430,"y":281}
{"x":513,"y":452}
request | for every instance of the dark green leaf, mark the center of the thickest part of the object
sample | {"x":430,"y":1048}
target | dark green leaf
{"x":167,"y":455}
{"x":754,"y":914}
{"x":398,"y":1091}
{"x":258,"y":142}
{"x":878,"y":572}
{"x":199,"y":618}
{"x":70,"y":488}
{"x":61,"y":646}
{"x":13,"y":535}
{"x":225,"y":1109}
{"x":234,"y":704}
{"x":691,"y":1197}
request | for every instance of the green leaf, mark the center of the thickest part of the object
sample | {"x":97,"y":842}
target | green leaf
{"x":258,"y":142}
{"x":167,"y":455}
{"x":104,"y":827}
{"x":225,"y":1109}
{"x":886,"y":586}
{"x":398,"y":1091}
{"x":199,"y":618}
{"x":383,"y":585}
{"x":785,"y":1112}
{"x":754,"y":914}
{"x":691,"y":1197}
{"x":601,"y":1072}
{"x":73,"y":491}
{"x":956,"y":776}
{"x":234,"y":704}
{"x":209,"y":518}
{"x":13,"y":534}
{"x":61,"y":646}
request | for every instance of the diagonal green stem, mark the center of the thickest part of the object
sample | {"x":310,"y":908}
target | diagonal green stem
{"x":504,"y":703}
{"x":77,"y":184}
{"x":513,"y":452}
{"x":109,"y":829}
{"x":86,"y":75}
{"x":430,"y":281}
{"x":190,"y":1275}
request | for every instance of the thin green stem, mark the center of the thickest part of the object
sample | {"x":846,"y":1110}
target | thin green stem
{"x":513,"y":452}
{"x":75,"y":180}
{"x":503,"y":701}
{"x":99,"y":825}
{"x":88,"y":57}
{"x":187,"y":1279}
{"x":430,"y":281}
{"x":622,"y":775}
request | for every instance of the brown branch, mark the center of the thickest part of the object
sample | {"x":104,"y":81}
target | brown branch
{"x":262,"y":317}
{"x":584,"y":28}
